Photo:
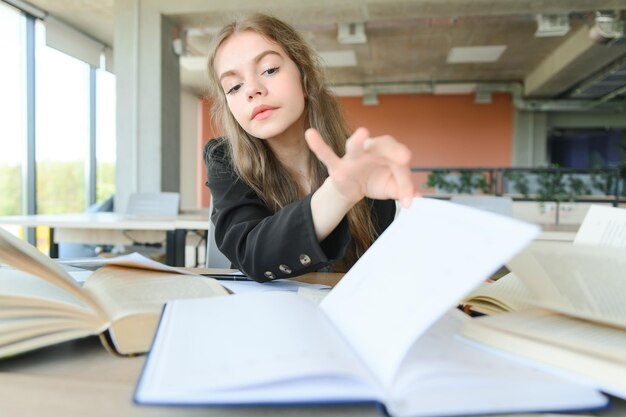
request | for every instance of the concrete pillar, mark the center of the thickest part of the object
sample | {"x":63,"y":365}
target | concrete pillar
{"x":148,"y":102}
{"x":530,"y":139}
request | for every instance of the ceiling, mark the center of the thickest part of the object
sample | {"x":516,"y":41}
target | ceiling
{"x":408,"y":42}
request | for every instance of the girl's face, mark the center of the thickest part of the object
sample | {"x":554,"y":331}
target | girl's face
{"x":262,"y":85}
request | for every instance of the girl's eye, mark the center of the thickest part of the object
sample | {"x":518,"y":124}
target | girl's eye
{"x":234,"y":89}
{"x":271,"y":71}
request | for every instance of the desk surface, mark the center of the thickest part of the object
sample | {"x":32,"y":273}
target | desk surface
{"x":80,"y":378}
{"x":182,"y":221}
{"x":114,"y":221}
{"x":558,"y":232}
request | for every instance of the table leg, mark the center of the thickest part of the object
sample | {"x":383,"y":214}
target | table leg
{"x":175,"y":247}
{"x":53,"y":252}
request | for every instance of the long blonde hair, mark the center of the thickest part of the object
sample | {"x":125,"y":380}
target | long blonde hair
{"x":253,"y":160}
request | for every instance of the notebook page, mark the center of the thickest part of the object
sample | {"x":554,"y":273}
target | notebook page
{"x":268,"y":346}
{"x":444,"y":375}
{"x":431,"y":256}
{"x":603,"y":226}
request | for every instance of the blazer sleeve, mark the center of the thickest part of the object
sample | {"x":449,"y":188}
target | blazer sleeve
{"x":262,"y":244}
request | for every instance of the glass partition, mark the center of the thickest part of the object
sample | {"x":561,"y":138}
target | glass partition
{"x":105,"y":135}
{"x":12,"y":109}
{"x":62,"y":129}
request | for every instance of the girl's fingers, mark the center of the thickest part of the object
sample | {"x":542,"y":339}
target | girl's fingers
{"x":356,"y":143}
{"x":322,"y":151}
{"x":404,"y":184}
{"x":397,"y":157}
{"x":381,"y":151}
{"x":390,"y":149}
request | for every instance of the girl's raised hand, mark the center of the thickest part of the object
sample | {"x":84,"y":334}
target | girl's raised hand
{"x":371,"y":167}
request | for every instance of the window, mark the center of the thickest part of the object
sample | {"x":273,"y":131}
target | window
{"x":587,"y":148}
{"x":12,"y":109}
{"x":62,"y":129}
{"x":53,"y":107}
{"x":105,"y":135}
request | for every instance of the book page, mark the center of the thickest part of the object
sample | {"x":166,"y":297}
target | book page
{"x":123,"y":291}
{"x":508,"y":293}
{"x":134,"y":298}
{"x":242,"y":287}
{"x":603,"y":226}
{"x":583,"y":281}
{"x":571,"y":333}
{"x":27,"y":258}
{"x":444,"y":375}
{"x":595,"y":353}
{"x":18,"y":329}
{"x":131,"y":260}
{"x":428,"y":259}
{"x":250,"y":349}
{"x":19,"y":284}
{"x":33,"y":311}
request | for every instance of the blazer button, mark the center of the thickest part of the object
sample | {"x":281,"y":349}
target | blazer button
{"x":305,"y":259}
{"x":270,"y":275}
{"x":285,"y":269}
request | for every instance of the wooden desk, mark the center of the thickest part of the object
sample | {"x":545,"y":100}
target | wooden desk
{"x":81,"y":379}
{"x":113,"y":228}
{"x":558,"y":232}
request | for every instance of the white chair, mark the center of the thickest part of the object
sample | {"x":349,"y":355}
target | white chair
{"x":496,"y":204}
{"x":153,"y":204}
{"x":214,"y":258}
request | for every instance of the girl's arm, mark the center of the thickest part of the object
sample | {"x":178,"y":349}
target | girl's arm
{"x":371,"y":167}
{"x":268,"y":245}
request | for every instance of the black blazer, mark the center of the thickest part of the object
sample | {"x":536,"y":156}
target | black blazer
{"x":266,"y":245}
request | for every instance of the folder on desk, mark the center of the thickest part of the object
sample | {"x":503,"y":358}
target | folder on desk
{"x":384,"y":334}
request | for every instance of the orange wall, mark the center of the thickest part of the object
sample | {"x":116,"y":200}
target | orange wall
{"x":443,"y":130}
{"x":440,"y":130}
{"x":206,"y":132}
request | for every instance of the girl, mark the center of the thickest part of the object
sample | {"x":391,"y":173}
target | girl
{"x":291,"y":192}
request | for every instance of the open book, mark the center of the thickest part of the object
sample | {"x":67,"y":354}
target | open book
{"x":40,"y":304}
{"x":579,"y":290}
{"x":603,"y":227}
{"x":508,"y":293}
{"x":370,"y":340}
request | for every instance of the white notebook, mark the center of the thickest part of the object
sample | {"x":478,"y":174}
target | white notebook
{"x":370,"y":340}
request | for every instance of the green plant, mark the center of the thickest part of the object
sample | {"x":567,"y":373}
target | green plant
{"x":605,"y":182}
{"x":557,"y":186}
{"x":466,"y":182}
{"x":551,"y":186}
{"x":438,"y":179}
{"x":577,"y":187}
{"x":519,"y":181}
{"x":470,"y":181}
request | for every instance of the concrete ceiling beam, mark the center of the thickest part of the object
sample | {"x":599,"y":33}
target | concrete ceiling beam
{"x":576,"y":59}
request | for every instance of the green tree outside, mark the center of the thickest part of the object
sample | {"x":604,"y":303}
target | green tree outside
{"x":60,"y":187}
{"x":10,"y":190}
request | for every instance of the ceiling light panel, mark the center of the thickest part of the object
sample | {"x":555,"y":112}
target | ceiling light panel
{"x":475,"y":54}
{"x":454,"y":88}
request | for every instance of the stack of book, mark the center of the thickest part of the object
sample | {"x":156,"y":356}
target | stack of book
{"x":41,"y":304}
{"x":564,"y":304}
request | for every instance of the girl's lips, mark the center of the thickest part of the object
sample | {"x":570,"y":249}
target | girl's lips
{"x":258,"y":110}
{"x":262,"y":115}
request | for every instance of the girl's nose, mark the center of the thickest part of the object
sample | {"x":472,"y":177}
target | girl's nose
{"x":254,"y":88}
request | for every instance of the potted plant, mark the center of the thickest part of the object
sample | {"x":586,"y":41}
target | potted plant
{"x":464,"y":181}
